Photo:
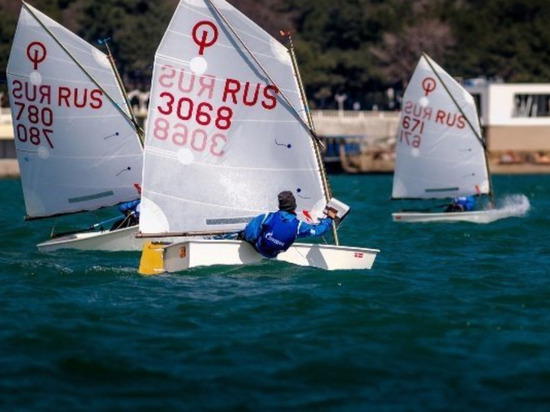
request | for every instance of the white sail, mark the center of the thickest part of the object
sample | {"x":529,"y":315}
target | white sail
{"x":226,"y":129}
{"x":76,"y":145}
{"x":439,"y":150}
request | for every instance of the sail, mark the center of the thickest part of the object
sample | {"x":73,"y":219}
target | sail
{"x":76,"y":145}
{"x":226,"y":129}
{"x":439,"y":151}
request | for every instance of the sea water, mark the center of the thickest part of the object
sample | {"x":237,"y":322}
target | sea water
{"x":452,"y":317}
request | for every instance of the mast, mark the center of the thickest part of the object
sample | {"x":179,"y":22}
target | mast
{"x":139,"y":130}
{"x":320,"y":163}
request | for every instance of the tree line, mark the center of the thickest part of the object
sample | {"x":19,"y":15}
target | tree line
{"x":361,"y":52}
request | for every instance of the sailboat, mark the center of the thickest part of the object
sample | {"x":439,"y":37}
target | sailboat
{"x":76,"y":139}
{"x":440,"y":151}
{"x":228,"y":129}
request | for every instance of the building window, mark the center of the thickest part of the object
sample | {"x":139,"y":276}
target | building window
{"x":531,"y":105}
{"x":477,"y":100}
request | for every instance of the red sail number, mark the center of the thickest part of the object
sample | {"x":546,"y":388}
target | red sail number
{"x":203,"y":113}
{"x":198,"y":139}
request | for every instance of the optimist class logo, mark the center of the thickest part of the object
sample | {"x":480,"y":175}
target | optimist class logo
{"x":206,"y":37}
{"x":428,"y":84}
{"x":36,"y":52}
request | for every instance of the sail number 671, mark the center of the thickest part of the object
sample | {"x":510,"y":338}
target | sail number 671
{"x":411,"y":131}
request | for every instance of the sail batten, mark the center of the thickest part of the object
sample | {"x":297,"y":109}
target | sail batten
{"x":442,"y":189}
{"x":439,"y":150}
{"x":220,"y":133}
{"x":73,"y":133}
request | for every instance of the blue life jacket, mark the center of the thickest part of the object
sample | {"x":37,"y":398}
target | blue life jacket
{"x":278,"y":234}
{"x":467,"y":202}
{"x":128,"y":207}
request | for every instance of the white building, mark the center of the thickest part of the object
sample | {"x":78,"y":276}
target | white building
{"x":515,"y":116}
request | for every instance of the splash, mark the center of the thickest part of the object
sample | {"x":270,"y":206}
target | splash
{"x":511,"y":206}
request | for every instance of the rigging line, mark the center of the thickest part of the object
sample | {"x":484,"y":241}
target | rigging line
{"x":125,"y":115}
{"x":479,"y":138}
{"x":318,"y":156}
{"x":299,"y":79}
{"x":281,"y":93}
{"x":139,"y":130}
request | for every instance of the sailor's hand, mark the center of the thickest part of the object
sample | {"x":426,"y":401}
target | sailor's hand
{"x":331,"y":213}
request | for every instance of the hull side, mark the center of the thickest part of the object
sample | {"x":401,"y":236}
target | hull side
{"x":188,"y":254}
{"x":481,"y":216}
{"x":111,"y":241}
{"x":117,"y":240}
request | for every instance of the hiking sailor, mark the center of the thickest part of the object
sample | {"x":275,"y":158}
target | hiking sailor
{"x":274,"y":232}
{"x":462,"y":204}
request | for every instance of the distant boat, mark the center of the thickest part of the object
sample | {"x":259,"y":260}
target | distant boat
{"x":228,"y":129}
{"x":440,"y":151}
{"x":76,"y":139}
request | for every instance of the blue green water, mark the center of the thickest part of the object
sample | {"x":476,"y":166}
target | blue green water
{"x":452,"y":317}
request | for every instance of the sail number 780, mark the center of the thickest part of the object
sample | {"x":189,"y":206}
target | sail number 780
{"x":40,"y":120}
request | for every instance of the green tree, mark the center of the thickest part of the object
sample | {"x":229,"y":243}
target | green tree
{"x":334,"y":60}
{"x":7,"y":30}
{"x":133,"y":28}
{"x":357,"y":47}
{"x":65,"y":12}
{"x":505,"y":39}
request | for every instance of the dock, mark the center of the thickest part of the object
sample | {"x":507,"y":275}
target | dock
{"x":364,"y":142}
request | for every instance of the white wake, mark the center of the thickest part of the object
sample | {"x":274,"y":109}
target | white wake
{"x":511,"y":206}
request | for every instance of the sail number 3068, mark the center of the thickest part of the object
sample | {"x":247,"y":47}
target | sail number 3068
{"x":411,"y":131}
{"x":198,"y":139}
{"x":203,"y":113}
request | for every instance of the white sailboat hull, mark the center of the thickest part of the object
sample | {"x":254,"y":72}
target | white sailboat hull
{"x":480,"y":216}
{"x":188,"y":254}
{"x":116,"y":240}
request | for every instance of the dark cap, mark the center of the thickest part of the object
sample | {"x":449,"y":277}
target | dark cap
{"x":287,"y":201}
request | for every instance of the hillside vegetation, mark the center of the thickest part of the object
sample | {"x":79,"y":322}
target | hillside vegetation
{"x":363,"y":49}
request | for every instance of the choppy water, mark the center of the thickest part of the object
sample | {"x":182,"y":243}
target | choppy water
{"x":453,"y":317}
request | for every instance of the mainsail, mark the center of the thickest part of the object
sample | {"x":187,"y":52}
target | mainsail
{"x":227,"y":126}
{"x":440,"y":152}
{"x":77,"y":147}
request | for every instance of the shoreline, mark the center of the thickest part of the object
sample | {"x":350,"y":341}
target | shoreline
{"x":9,"y":169}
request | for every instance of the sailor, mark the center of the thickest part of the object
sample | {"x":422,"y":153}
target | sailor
{"x":130,"y":210}
{"x":274,"y":232}
{"x":462,"y":204}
